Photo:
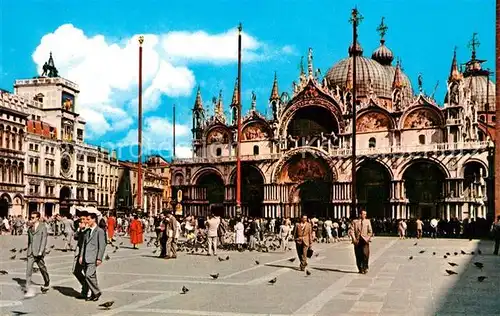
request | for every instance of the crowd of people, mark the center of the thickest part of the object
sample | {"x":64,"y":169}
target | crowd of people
{"x":88,"y":233}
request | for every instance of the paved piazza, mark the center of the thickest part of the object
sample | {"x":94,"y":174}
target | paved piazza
{"x":141,"y":284}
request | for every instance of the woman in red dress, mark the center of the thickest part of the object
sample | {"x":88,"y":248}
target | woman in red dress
{"x":111,"y":227}
{"x":135,"y":232}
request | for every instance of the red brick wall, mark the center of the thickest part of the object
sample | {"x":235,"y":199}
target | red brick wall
{"x":497,"y":147}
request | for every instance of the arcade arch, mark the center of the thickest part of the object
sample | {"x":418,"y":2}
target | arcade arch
{"x":424,"y":183}
{"x":373,"y":188}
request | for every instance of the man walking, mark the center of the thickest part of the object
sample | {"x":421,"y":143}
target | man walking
{"x":171,"y":234}
{"x":361,"y":233}
{"x":303,"y":240}
{"x":91,"y":255}
{"x":37,"y":242}
{"x":213,"y":223}
{"x":68,"y":231}
{"x":78,"y":268}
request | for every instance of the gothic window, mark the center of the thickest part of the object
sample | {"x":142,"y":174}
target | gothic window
{"x":218,"y":152}
{"x":20,"y":140}
{"x":47,"y":167}
{"x":7,"y":139}
{"x":255,"y":150}
{"x":15,"y":174}
{"x":372,"y":142}
{"x":1,"y":136}
{"x":421,"y":139}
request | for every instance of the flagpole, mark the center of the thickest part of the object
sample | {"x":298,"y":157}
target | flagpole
{"x":354,"y":19}
{"x":238,"y":144}
{"x":173,"y":131}
{"x":139,"y":130}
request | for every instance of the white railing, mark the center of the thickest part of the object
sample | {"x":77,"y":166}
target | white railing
{"x":344,"y":152}
{"x":47,"y":80}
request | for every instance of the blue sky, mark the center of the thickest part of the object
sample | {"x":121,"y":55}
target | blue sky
{"x":191,"y":43}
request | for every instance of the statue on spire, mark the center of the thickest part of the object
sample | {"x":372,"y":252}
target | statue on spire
{"x":310,"y":62}
{"x":253,"y":106}
{"x":49,"y":68}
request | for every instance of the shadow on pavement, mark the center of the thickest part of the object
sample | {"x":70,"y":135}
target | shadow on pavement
{"x":334,"y":270}
{"x":469,"y":296}
{"x":281,"y":266}
{"x":67,"y":291}
{"x":21,"y":282}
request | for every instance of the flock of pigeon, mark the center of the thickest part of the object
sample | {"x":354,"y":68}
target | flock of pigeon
{"x":448,"y":255}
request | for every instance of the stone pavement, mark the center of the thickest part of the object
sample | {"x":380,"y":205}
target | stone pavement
{"x":141,"y":284}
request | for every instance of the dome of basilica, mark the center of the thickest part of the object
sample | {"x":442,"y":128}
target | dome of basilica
{"x":482,"y":89}
{"x":376,"y":73}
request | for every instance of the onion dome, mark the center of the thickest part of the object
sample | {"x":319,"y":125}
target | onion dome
{"x":403,"y":82}
{"x":367,"y":70}
{"x":382,"y":54}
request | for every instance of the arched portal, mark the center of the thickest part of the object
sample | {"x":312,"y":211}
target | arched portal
{"x":213,"y":185}
{"x":424,"y":188}
{"x":314,"y":198}
{"x":310,"y":179}
{"x":474,"y":173}
{"x":4,"y":207}
{"x":64,"y":201}
{"x":373,"y":188}
{"x":311,"y":121}
{"x":252,"y":190}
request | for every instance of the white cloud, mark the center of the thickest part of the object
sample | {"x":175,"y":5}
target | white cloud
{"x":156,"y":134}
{"x":203,"y":47}
{"x":183,"y":151}
{"x":107,"y":71}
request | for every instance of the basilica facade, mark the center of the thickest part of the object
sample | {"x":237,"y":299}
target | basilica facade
{"x":416,"y":157}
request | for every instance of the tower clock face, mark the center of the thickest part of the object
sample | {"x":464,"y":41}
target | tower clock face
{"x":66,"y":165}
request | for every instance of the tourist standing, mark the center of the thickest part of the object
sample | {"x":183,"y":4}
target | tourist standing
{"x":303,"y":236}
{"x":90,"y":255}
{"x":111,"y":225}
{"x":361,"y":234}
{"x":212,"y":224}
{"x":37,"y":242}
{"x":495,"y":229}
{"x":136,"y":232}
{"x":239,"y":231}
{"x":284,"y":235}
{"x":419,"y":228}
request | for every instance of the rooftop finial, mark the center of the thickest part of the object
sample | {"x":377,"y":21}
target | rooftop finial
{"x":198,"y":103}
{"x":234,"y":101}
{"x":473,"y":44}
{"x":420,"y":83}
{"x":310,"y":62}
{"x":302,"y":66}
{"x":454,"y":72}
{"x":382,"y":30}
{"x":253,"y":106}
{"x":274,"y":91}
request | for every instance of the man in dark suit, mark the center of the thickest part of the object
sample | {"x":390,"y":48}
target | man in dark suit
{"x":37,"y":242}
{"x":78,"y":269}
{"x":91,"y":254}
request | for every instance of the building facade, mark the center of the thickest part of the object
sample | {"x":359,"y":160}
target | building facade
{"x":415,"y":156}
{"x":155,"y":184}
{"x":46,"y":164}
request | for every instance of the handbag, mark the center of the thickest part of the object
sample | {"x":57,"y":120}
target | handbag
{"x":310,"y":253}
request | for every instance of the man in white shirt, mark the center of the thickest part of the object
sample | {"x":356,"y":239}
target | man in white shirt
{"x":212,"y":224}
